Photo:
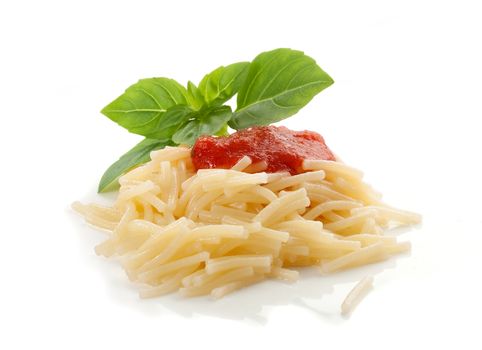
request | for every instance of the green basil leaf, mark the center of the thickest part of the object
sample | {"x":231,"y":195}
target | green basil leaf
{"x":223,"y":83}
{"x":138,"y":155}
{"x":194,"y":96}
{"x":141,"y":106}
{"x":279,"y":83}
{"x":170,"y":121}
{"x":205,"y":122}
{"x":223,"y":131}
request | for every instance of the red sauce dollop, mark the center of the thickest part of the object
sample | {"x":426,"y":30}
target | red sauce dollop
{"x":282,"y":149}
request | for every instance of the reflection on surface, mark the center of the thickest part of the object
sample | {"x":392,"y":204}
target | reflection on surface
{"x":313,"y":291}
{"x":252,"y":303}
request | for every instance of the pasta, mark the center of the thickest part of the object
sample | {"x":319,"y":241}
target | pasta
{"x":356,"y":294}
{"x":214,"y":231}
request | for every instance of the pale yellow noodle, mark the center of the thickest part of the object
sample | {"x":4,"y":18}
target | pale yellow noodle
{"x":168,"y":286}
{"x":155,"y":201}
{"x":174,"y":190}
{"x":242,"y":164}
{"x":213,"y":231}
{"x":211,"y":284}
{"x":325,"y":191}
{"x":220,"y":292}
{"x":356,"y":294}
{"x":289,"y":181}
{"x":271,"y":209}
{"x":220,"y":211}
{"x":333,"y":217}
{"x":358,"y":257}
{"x":199,"y":203}
{"x":256,"y":167}
{"x":350,"y":221}
{"x":284,"y":274}
{"x":134,"y":191}
{"x":149,"y":276}
{"x":316,"y":211}
{"x":231,"y":262}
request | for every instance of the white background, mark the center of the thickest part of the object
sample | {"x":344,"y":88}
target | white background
{"x":405,"y":108}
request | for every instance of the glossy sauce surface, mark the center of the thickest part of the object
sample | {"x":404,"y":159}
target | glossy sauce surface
{"x":280,"y":148}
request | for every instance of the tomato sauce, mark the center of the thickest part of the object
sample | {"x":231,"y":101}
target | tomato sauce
{"x":282,"y":149}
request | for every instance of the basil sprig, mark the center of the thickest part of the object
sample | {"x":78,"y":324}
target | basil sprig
{"x":274,"y":86}
{"x":278,"y":85}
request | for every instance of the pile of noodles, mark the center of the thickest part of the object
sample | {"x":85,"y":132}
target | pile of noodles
{"x":214,"y":231}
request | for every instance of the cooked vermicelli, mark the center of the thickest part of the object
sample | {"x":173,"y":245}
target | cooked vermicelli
{"x":356,"y":295}
{"x":213,"y":231}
